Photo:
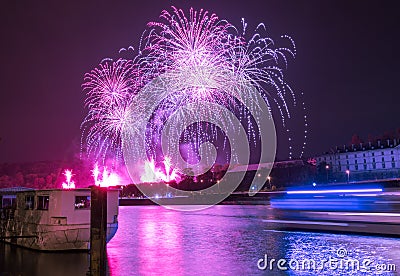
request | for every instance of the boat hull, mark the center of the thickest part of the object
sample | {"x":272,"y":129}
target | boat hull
{"x":61,"y":225}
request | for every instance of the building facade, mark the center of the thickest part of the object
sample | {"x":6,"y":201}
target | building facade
{"x":379,"y":160}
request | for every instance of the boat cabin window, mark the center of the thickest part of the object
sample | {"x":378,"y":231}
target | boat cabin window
{"x":29,"y":202}
{"x":9,"y":202}
{"x":43,"y":203}
{"x":82,"y":202}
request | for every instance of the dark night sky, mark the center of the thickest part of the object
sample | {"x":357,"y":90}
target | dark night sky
{"x":347,"y":64}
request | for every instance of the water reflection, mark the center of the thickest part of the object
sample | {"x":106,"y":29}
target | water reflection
{"x":161,"y":232}
{"x":160,"y":241}
{"x":349,"y":254}
{"x":19,"y":261}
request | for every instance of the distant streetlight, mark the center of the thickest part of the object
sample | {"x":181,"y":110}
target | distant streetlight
{"x":269,"y":182}
{"x":348,"y":175}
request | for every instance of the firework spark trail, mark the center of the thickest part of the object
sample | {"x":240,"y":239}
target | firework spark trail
{"x":109,"y":90}
{"x":184,"y":62}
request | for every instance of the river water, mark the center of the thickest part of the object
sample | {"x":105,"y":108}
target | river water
{"x":222,"y":240}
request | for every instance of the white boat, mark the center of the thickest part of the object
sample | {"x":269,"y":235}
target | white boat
{"x":51,"y":220}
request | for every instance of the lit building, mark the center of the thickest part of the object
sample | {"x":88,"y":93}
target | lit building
{"x":361,"y":162}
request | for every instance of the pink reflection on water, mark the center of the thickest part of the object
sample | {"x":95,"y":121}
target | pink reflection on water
{"x":152,"y":240}
{"x":158,"y":244}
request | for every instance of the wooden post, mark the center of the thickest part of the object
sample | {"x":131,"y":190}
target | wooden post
{"x":98,"y":231}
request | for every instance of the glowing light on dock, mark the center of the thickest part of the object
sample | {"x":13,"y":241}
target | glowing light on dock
{"x":151,"y":173}
{"x":69,"y":184}
{"x":105,"y":178}
{"x":95,"y":174}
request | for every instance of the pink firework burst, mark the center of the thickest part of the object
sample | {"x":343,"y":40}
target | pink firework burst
{"x":109,"y":89}
{"x":109,"y":84}
{"x":204,"y":59}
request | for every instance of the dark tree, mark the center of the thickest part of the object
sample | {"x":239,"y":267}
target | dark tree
{"x":321,"y":176}
{"x":356,"y":140}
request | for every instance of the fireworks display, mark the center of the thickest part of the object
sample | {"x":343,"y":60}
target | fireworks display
{"x":194,"y":80}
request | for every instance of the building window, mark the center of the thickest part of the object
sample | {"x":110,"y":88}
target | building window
{"x":355,"y":161}
{"x":365,"y":161}
{"x":355,"y":155}
{"x":363,"y":154}
{"x":347,"y":157}
{"x":383,"y":159}
{"x":9,"y":202}
{"x":373,"y":160}
{"x":82,"y":202}
{"x":347,"y":162}
{"x":43,"y":203}
{"x":373,"y":154}
{"x":365,"y":167}
{"x":356,"y":167}
{"x":29,"y":202}
{"x":374,"y":166}
{"x":383,"y":165}
{"x":391,"y":152}
{"x":393,"y":165}
{"x":383,"y":153}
